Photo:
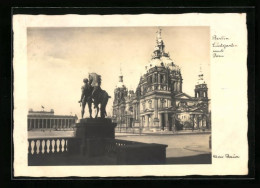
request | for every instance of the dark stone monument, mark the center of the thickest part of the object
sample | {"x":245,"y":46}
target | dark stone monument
{"x":94,"y":134}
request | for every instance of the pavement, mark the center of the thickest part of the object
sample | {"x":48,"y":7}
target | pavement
{"x":182,"y":145}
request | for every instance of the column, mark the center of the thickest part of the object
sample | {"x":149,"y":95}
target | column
{"x":159,"y":103}
{"x":159,"y":79}
{"x":134,"y":111}
{"x":173,"y":122}
{"x":137,"y":111}
{"x":160,"y":121}
{"x":146,"y":121}
{"x":41,"y":123}
{"x":195,"y":121}
{"x":29,"y":124}
{"x":156,"y":108}
{"x":151,"y":120}
{"x":166,"y":121}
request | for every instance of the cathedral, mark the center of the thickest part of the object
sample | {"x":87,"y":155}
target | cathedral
{"x":158,"y":103}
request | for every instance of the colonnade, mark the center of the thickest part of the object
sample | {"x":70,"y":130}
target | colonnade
{"x":45,"y":123}
{"x":199,"y":121}
{"x":161,"y":121}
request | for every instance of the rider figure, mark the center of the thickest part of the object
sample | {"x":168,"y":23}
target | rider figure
{"x":86,"y":96}
{"x":96,"y":90}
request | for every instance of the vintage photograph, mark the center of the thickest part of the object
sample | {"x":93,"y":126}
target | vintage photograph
{"x":130,"y":95}
{"x":118,"y":95}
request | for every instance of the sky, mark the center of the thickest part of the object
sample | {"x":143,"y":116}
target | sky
{"x":60,"y":58}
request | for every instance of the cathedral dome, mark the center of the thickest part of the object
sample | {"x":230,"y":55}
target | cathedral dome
{"x":159,"y":57}
{"x":156,"y":62}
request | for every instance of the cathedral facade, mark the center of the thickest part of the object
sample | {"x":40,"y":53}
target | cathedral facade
{"x":158,"y":103}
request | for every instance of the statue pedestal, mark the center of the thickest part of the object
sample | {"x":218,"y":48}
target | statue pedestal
{"x":93,"y":134}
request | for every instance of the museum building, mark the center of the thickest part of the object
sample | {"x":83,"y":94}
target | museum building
{"x":47,"y":120}
{"x":159,"y":102}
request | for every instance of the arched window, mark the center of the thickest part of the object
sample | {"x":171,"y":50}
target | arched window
{"x":150,"y":104}
{"x":162,"y":78}
{"x":143,"y":106}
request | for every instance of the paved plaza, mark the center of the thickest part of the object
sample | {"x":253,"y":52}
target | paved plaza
{"x":178,"y":145}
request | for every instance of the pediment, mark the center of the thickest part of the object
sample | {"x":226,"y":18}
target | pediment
{"x":183,"y":96}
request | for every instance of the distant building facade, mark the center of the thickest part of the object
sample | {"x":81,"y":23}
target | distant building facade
{"x":47,"y":120}
{"x":159,"y":102}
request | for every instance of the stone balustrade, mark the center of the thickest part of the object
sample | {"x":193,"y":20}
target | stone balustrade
{"x":38,"y":146}
{"x":66,"y":151}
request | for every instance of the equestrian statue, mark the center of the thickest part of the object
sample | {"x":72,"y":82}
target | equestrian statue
{"x":91,"y":92}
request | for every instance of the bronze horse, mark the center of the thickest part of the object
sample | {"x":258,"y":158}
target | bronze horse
{"x":94,"y":95}
{"x":101,"y":97}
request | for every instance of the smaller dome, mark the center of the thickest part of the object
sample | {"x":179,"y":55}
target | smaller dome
{"x":201,"y":82}
{"x":120,"y":85}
